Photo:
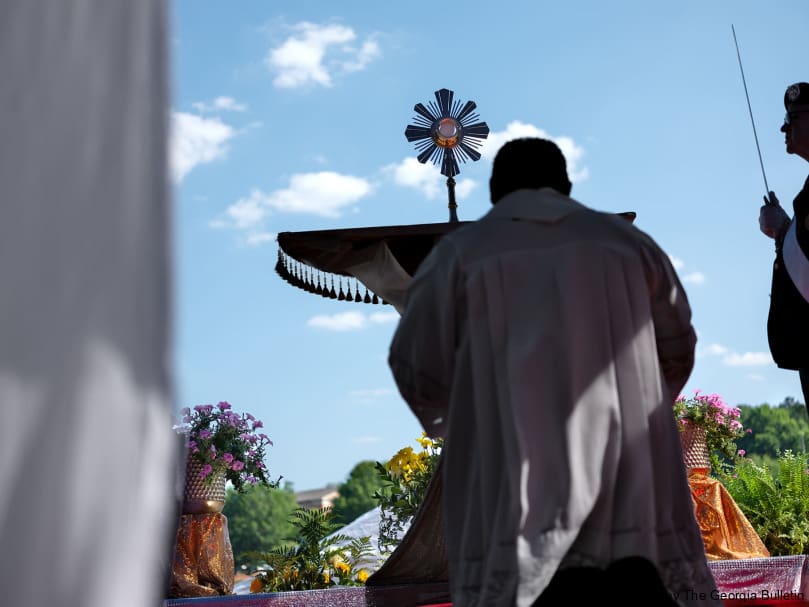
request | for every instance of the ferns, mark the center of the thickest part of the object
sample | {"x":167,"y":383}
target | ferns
{"x":318,"y":558}
{"x":775,"y":502}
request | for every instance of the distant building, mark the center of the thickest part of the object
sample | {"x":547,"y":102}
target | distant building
{"x":317,"y":498}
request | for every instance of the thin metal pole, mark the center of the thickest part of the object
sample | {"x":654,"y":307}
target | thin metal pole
{"x":453,"y":215}
{"x":753,"y":122}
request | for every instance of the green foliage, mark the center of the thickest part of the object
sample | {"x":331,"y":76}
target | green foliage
{"x":775,"y":429}
{"x":258,"y":518}
{"x":318,"y":558}
{"x":775,"y":502}
{"x":357,"y":493}
{"x":405,"y":479}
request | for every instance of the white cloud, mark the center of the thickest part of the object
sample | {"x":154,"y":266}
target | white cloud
{"x":381,"y":318}
{"x":344,"y":321}
{"x":255,"y":239}
{"x":735,"y":359}
{"x":326,"y":194}
{"x":748,"y":359}
{"x":573,"y":153}
{"x":351,"y":321}
{"x":314,"y":54}
{"x":694,"y":278}
{"x":220,"y":104}
{"x":196,"y":140}
{"x":715,"y":350}
{"x":426,"y":178}
{"x":360,"y":60}
{"x":464,"y":188}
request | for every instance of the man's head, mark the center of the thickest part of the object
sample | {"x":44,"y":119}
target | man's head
{"x":528,"y":163}
{"x":796,"y":121}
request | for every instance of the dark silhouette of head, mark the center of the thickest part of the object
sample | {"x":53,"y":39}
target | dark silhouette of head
{"x":528,"y":163}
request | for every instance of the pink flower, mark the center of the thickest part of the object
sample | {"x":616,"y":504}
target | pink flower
{"x":237,"y":465}
{"x":741,"y":452}
{"x":227,"y":457}
{"x":206,"y":470}
{"x":224,"y":405}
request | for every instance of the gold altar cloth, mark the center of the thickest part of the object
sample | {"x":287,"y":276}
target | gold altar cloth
{"x":203,"y":557}
{"x":726,"y":532}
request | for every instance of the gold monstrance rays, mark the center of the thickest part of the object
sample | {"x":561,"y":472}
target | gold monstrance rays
{"x":445,"y":131}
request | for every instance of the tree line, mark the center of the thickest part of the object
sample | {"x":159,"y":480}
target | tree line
{"x":261,"y":518}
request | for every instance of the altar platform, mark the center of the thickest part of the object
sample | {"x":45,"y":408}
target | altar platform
{"x":761,"y":582}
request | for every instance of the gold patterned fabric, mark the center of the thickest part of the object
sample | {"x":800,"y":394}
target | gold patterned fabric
{"x":203,"y":557}
{"x":726,"y":532}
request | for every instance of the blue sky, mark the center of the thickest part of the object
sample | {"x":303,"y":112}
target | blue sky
{"x":290,"y":116}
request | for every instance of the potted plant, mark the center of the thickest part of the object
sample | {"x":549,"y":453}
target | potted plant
{"x":706,"y":417}
{"x":221,"y":446}
{"x":405,"y":477}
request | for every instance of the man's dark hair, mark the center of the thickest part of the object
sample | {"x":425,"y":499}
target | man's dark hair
{"x":528,"y":163}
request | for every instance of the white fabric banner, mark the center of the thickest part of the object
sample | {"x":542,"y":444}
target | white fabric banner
{"x":87,"y":455}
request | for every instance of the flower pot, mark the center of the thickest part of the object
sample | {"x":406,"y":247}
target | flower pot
{"x":694,"y":442}
{"x":202,"y":496}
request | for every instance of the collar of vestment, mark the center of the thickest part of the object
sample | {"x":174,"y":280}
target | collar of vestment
{"x":545,"y":205}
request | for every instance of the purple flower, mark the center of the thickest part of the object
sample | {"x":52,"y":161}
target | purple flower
{"x":227,"y":457}
{"x":223,"y":405}
{"x":205,"y":434}
{"x":258,"y":424}
{"x":206,"y":470}
{"x":237,"y":465}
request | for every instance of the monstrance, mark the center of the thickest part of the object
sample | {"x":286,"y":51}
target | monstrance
{"x":383,"y":259}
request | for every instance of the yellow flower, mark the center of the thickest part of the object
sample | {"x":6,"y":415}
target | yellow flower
{"x":362,"y":575}
{"x":257,"y":585}
{"x":425,"y":441}
{"x":342,"y":568}
{"x":326,"y":577}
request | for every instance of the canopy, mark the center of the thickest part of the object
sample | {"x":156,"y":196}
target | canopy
{"x":333,"y":263}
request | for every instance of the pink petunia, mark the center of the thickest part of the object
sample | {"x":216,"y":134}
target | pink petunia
{"x":238,"y":465}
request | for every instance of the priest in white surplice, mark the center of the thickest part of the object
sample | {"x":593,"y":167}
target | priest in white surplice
{"x":546,"y":342}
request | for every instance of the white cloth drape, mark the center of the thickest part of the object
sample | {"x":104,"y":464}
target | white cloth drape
{"x":87,"y":455}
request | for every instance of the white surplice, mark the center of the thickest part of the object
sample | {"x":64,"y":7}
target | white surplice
{"x":547,"y":342}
